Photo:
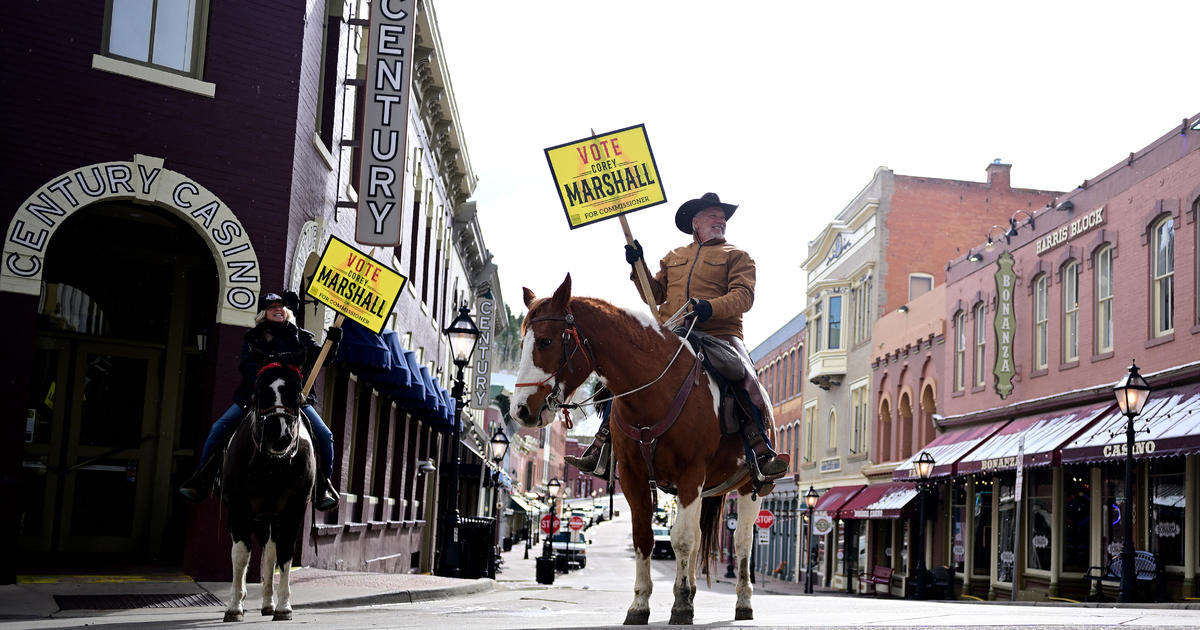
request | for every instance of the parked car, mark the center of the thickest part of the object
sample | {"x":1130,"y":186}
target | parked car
{"x":576,"y":552}
{"x":662,"y":544}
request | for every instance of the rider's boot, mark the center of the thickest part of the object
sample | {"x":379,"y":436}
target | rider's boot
{"x":769,"y":465}
{"x":325,"y":495}
{"x":595,"y":459}
{"x":199,"y":486}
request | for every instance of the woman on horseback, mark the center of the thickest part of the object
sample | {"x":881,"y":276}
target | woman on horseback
{"x":275,"y":338}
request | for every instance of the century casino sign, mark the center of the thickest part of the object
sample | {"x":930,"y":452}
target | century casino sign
{"x":1075,"y":228}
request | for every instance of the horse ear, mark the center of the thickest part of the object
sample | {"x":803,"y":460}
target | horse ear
{"x":562,"y":294}
{"x":529,"y":296}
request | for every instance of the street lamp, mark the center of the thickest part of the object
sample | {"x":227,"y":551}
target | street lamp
{"x":1132,"y":393}
{"x":810,"y":501}
{"x":499,"y":447}
{"x":463,"y":334}
{"x":924,"y":467}
{"x":552,"y":487}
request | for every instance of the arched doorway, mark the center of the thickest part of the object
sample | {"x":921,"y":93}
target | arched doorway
{"x":117,"y":385}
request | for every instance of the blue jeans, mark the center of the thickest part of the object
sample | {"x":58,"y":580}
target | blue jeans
{"x":223,"y":428}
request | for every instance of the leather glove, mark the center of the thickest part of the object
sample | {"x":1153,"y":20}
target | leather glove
{"x":334,"y":334}
{"x":633,"y":253}
{"x":702,"y":309}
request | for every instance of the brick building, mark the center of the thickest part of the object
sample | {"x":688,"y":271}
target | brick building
{"x":158,"y":194}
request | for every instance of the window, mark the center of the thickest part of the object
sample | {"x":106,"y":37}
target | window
{"x":832,"y":435}
{"x":1006,"y":527}
{"x":167,"y":34}
{"x":919,"y":284}
{"x":1112,"y":528}
{"x":1077,"y":508}
{"x":799,"y":369}
{"x":835,"y":322}
{"x":1163,"y":269}
{"x":1041,"y":518}
{"x":1104,"y":300}
{"x":1167,"y":502}
{"x":981,"y":536}
{"x":960,"y":349}
{"x":810,"y":421}
{"x":958,"y":527}
{"x":1070,"y":294}
{"x":860,"y":297}
{"x":858,"y":431}
{"x":1041,"y":316}
{"x":817,"y":317}
{"x":980,"y":344}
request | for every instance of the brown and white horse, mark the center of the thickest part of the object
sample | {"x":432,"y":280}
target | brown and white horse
{"x":564,"y":339}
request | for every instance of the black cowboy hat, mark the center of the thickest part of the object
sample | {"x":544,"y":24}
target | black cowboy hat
{"x":683,"y":216}
{"x":270,"y":299}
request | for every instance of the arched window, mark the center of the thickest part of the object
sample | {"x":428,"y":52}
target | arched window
{"x":960,"y":349}
{"x":1070,"y":297}
{"x":1104,"y":299}
{"x":1162,"y":270}
{"x":1041,"y":320}
{"x":980,"y":344}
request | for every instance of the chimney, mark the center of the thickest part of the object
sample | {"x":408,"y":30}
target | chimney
{"x":999,"y":175}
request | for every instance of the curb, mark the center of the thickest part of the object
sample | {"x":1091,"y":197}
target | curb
{"x":481,"y":585}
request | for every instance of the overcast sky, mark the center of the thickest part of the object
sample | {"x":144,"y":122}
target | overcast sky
{"x":787,"y":108}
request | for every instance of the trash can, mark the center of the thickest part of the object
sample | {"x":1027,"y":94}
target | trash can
{"x":561,"y":563}
{"x":545,"y":570}
{"x":475,"y":540}
{"x":508,"y":543}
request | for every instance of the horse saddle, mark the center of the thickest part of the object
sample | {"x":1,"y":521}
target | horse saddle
{"x":725,"y":366}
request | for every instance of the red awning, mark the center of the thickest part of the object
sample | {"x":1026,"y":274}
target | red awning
{"x":1169,"y":425}
{"x":834,"y":499}
{"x":1044,"y":435}
{"x":884,"y":500}
{"x":947,"y":449}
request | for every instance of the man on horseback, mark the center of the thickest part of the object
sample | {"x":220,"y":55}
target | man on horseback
{"x":275,"y":339}
{"x":717,"y":279}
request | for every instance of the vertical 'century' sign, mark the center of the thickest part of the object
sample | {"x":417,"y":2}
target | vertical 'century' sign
{"x":385,"y":122}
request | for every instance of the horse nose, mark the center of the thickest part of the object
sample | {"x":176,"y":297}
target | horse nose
{"x":523,"y":412}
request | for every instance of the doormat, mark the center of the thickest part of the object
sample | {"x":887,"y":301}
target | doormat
{"x":126,"y":602}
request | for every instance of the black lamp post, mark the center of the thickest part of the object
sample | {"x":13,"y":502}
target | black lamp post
{"x":810,"y":501}
{"x":1132,"y":393}
{"x":463,"y":334}
{"x":553,"y":487}
{"x":499,"y":447}
{"x":924,"y":467}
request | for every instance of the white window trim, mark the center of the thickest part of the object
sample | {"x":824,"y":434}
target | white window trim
{"x":153,"y":75}
{"x":1102,"y":300}
{"x":923,"y":276}
{"x":979,"y":351}
{"x":1041,"y":322}
{"x":960,"y":350}
{"x":1070,"y":311}
{"x":1157,"y":280}
{"x":323,"y":151}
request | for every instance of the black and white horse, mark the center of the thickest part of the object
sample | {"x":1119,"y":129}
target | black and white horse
{"x":267,"y":480}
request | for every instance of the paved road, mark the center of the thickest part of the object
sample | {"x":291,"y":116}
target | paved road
{"x":598,"y":596}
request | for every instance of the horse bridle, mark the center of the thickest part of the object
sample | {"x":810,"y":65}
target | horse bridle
{"x":571,"y":337}
{"x":275,"y":410}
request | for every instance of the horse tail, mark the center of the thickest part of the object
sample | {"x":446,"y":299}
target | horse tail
{"x":710,"y":533}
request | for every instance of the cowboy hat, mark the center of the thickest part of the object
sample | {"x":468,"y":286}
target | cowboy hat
{"x":683,"y":216}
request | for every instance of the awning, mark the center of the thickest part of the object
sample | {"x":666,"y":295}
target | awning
{"x":834,"y":499}
{"x":417,"y":381}
{"x":396,"y":381}
{"x":884,"y":500}
{"x":519,"y":502}
{"x":431,"y":395}
{"x":946,"y":450}
{"x":363,"y":348}
{"x":1044,"y":435}
{"x":439,"y":399}
{"x":1169,"y":425}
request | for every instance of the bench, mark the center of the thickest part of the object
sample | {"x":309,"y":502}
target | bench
{"x":878,"y":575}
{"x":1147,"y":573}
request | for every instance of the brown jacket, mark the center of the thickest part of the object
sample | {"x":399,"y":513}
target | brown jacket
{"x":715,"y":271}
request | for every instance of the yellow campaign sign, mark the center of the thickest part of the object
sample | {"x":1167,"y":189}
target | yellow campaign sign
{"x":606,"y":175}
{"x":356,"y":285}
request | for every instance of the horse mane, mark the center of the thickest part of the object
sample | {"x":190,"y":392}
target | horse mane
{"x":636,"y":330}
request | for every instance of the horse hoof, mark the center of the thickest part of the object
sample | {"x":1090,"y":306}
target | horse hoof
{"x":232,"y":616}
{"x":743,"y":614}
{"x":282,"y":615}
{"x":681,"y":618}
{"x":637,"y":618}
{"x":268,"y":610}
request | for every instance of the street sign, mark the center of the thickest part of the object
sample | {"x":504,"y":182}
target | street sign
{"x":550,"y":524}
{"x":765,"y":519}
{"x":764,"y":537}
{"x":576,"y":523}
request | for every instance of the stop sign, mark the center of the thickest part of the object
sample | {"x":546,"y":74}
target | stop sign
{"x":576,"y":523}
{"x":765,"y":519}
{"x":550,"y":524}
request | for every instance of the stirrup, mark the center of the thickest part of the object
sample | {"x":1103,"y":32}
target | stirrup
{"x":325,"y":497}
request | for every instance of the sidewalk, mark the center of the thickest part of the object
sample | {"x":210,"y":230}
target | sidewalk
{"x":68,"y":595}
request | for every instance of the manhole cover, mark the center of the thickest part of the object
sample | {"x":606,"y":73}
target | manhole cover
{"x":125,"y":602}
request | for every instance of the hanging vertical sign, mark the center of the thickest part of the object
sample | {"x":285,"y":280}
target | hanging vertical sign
{"x":1005,"y":323}
{"x":482,"y":387}
{"x":385,"y":122}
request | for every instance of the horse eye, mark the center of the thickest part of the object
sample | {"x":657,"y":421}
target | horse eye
{"x":543,"y":343}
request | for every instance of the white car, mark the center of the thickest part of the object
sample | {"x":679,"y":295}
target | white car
{"x":662,"y":544}
{"x":576,"y":552}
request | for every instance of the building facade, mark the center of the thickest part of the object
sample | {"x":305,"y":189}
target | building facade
{"x":162,"y":193}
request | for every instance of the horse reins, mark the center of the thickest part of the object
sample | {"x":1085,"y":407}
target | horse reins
{"x":274,"y":410}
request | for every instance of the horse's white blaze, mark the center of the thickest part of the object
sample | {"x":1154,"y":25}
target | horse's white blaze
{"x":285,"y":588}
{"x":276,"y":387}
{"x":646,"y":319}
{"x":642,"y":584}
{"x":527,"y":372}
{"x":268,"y":573}
{"x":743,"y":537}
{"x":241,"y":558}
